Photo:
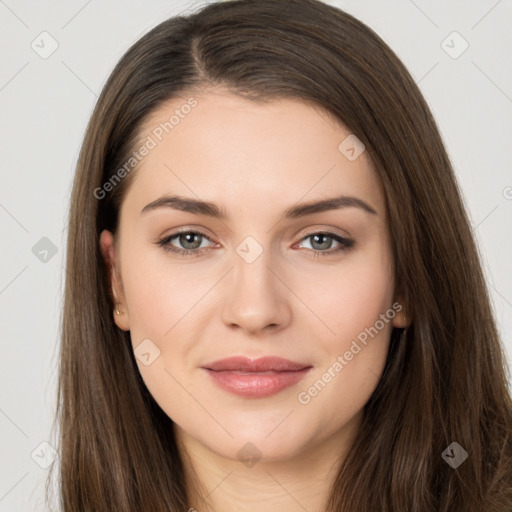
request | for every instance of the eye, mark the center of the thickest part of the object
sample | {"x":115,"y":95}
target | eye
{"x":186,"y":239}
{"x":321,"y":241}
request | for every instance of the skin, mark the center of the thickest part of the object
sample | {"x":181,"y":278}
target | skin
{"x":255,"y":161}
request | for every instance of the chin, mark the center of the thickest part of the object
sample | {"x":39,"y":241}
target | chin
{"x":263,"y":440}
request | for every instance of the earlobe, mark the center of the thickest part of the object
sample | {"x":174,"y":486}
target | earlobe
{"x":120,"y":313}
{"x":402,"y":319}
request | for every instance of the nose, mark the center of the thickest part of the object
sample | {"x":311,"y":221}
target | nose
{"x":256,"y":297}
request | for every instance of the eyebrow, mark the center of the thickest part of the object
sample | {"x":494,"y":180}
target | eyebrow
{"x":212,"y":210}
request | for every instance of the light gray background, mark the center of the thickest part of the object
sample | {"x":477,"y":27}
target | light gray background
{"x":46,"y":103}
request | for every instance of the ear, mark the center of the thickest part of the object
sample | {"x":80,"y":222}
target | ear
{"x":108,"y":250}
{"x":402,"y":318}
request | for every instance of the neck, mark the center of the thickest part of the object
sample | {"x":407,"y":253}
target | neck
{"x":300,"y":482}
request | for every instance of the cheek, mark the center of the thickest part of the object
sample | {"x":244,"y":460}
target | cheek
{"x":356,"y":313}
{"x":160,"y":296}
{"x":161,"y":309}
{"x":357,"y":308}
{"x":352,"y":297}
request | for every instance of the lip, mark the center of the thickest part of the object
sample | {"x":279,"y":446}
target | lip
{"x":255,"y":378}
{"x":262,"y":364}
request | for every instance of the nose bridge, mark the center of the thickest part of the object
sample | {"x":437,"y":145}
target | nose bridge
{"x":251,"y":270}
{"x":256,"y":299}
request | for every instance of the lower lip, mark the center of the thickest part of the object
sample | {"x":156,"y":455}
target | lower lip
{"x":256,"y":385}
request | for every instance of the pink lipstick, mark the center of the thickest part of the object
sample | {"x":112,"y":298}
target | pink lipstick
{"x":256,"y":378}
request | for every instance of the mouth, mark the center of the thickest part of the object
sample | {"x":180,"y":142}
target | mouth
{"x":260,"y":365}
{"x":257,"y":378}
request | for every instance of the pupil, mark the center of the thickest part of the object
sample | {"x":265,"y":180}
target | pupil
{"x":325,"y":245}
{"x":186,"y":238}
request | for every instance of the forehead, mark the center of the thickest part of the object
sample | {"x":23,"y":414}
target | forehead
{"x":221,"y":147}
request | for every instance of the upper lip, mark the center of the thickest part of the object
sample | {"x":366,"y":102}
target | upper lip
{"x":263,"y":364}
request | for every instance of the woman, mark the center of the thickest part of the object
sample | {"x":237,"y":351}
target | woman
{"x":211,"y":359}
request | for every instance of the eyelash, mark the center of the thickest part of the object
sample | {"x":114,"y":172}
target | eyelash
{"x":164,"y":242}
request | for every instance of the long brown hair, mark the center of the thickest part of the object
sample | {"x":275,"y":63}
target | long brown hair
{"x":445,"y":378}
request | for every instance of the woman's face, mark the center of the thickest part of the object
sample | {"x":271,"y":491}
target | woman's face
{"x":251,"y":283}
